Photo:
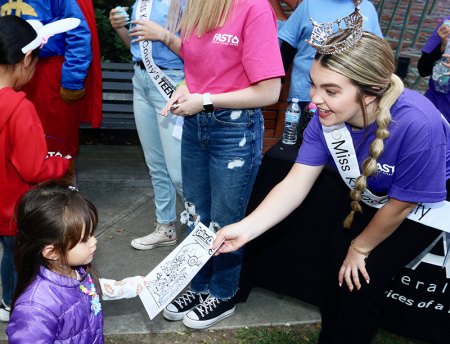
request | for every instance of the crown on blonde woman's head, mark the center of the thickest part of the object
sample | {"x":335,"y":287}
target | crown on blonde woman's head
{"x":322,"y":32}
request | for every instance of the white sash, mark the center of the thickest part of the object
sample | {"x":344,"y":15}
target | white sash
{"x":162,"y":82}
{"x":340,"y":144}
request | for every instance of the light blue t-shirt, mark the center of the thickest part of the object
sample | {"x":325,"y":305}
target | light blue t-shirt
{"x":298,"y":28}
{"x":162,"y":55}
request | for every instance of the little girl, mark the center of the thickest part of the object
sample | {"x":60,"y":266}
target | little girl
{"x":57,"y":299}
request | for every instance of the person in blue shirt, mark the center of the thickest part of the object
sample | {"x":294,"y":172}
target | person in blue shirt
{"x":298,"y":28}
{"x":162,"y":147}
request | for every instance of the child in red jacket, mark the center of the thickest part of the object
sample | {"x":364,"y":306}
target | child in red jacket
{"x":24,"y":159}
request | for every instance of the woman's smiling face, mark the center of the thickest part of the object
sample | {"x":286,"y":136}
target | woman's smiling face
{"x":335,"y":96}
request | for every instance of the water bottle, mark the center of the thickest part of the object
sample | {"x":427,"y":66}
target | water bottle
{"x":291,"y":120}
{"x":124,"y":13}
{"x":308,"y":113}
{"x":442,"y":81}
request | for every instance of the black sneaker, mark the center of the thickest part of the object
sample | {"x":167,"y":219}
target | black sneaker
{"x":184,"y":303}
{"x":208,"y":313}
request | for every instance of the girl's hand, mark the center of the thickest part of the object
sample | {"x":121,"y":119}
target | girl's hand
{"x":117,"y":19}
{"x":352,"y":265}
{"x":146,"y":30}
{"x":230,"y":238}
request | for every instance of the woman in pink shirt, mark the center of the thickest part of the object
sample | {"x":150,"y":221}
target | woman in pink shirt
{"x":232,"y":68}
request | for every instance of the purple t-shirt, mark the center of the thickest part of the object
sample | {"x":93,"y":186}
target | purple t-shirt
{"x":415,"y":163}
{"x":440,"y":100}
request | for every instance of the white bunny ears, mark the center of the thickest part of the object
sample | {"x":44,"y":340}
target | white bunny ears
{"x":46,"y":31}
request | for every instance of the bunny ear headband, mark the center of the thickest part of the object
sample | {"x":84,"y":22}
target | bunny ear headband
{"x":46,"y":31}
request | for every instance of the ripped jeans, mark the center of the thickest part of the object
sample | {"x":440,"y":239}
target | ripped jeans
{"x":221,"y":154}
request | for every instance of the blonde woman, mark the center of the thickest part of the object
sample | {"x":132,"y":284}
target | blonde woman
{"x":364,"y":116}
{"x":162,"y":151}
{"x":232,"y":67}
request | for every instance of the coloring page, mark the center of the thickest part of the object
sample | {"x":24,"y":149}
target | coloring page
{"x":174,"y":273}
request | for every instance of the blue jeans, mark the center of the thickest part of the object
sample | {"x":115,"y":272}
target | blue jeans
{"x":8,"y":271}
{"x":221,"y":155}
{"x":162,"y":151}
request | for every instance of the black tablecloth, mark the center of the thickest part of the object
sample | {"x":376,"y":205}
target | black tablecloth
{"x":284,"y":260}
{"x":276,"y":259}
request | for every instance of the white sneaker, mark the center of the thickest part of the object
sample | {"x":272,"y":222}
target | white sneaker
{"x":5,"y":312}
{"x":164,"y":235}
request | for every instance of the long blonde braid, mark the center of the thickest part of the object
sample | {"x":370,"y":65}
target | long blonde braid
{"x":370,"y":66}
{"x":376,"y":148}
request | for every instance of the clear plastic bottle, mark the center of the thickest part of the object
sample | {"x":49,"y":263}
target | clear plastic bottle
{"x":442,"y":81}
{"x":291,"y":121}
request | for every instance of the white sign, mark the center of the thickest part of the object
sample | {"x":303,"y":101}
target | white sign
{"x":173,"y":274}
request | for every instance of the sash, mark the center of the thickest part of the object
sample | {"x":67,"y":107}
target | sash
{"x":162,"y":82}
{"x":340,"y":144}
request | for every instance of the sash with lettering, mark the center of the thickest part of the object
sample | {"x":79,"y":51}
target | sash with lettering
{"x":162,"y":82}
{"x":340,"y":144}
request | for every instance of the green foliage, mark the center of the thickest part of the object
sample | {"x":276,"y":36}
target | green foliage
{"x":107,"y":5}
{"x":112,"y":48}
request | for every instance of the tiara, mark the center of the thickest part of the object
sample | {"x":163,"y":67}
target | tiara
{"x":322,"y":32}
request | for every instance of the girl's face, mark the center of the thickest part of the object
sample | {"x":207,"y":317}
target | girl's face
{"x":335,"y":97}
{"x":82,"y":253}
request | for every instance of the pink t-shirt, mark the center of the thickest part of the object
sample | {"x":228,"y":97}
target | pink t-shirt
{"x":241,"y":53}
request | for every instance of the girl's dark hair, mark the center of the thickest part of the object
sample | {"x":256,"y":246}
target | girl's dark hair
{"x":15,"y":33}
{"x":49,"y":214}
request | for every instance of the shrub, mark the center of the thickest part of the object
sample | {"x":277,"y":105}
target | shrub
{"x":112,"y":48}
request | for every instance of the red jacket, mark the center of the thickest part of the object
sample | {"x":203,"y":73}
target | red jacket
{"x":23,"y":154}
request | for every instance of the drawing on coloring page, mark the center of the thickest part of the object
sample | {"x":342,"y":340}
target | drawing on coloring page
{"x":174,"y":273}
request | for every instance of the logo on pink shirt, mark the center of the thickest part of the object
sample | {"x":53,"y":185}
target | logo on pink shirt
{"x":225,"y":39}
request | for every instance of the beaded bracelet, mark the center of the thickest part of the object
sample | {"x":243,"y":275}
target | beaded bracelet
{"x":365,"y":254}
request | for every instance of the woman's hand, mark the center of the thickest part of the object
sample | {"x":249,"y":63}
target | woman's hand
{"x":117,"y":19}
{"x":353,"y":263}
{"x":172,"y":104}
{"x":146,"y":30}
{"x":443,"y":33}
{"x":188,"y":104}
{"x":230,"y":238}
{"x":183,"y":103}
{"x":446,"y":64}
